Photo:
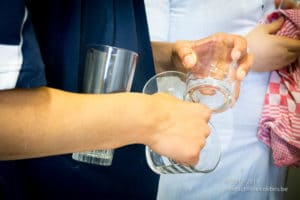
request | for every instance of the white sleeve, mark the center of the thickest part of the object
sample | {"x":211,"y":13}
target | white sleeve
{"x":11,"y":59}
{"x":158,"y":19}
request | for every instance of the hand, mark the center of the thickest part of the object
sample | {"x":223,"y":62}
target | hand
{"x":180,"y":128}
{"x":184,"y":57}
{"x":271,"y":52}
{"x":286,"y":4}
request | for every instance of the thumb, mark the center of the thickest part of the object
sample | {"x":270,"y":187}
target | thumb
{"x":274,"y":26}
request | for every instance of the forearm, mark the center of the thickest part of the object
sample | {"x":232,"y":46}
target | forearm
{"x":162,"y":54}
{"x":44,"y":121}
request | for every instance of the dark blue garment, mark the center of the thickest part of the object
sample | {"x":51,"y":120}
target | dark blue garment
{"x":63,"y":28}
{"x":16,"y":30}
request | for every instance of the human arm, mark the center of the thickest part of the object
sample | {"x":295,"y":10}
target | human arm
{"x":44,"y":121}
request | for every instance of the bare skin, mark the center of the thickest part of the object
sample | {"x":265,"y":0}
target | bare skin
{"x":184,"y":58}
{"x":286,"y":4}
{"x":271,"y":52}
{"x":45,"y":121}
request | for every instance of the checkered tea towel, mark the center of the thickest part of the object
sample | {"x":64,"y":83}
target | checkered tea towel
{"x":279,"y":126}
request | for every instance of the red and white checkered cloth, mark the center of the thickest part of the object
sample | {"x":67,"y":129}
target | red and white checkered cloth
{"x":279,"y":126}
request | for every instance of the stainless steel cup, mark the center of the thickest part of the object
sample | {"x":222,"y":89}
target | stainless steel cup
{"x":107,"y":69}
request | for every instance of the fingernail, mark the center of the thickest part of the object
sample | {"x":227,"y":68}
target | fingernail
{"x":236,"y":55}
{"x":189,"y":60}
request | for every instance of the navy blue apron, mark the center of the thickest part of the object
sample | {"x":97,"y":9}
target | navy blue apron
{"x":63,"y":28}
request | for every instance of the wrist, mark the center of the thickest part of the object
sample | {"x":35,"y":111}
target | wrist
{"x":138,"y":118}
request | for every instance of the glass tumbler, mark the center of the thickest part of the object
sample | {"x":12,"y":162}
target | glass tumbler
{"x":212,"y":80}
{"x":107,"y":69}
{"x":174,"y":83}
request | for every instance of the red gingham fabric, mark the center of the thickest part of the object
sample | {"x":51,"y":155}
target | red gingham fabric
{"x":279,"y":126}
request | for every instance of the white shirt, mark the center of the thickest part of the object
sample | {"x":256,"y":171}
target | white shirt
{"x":246,"y":170}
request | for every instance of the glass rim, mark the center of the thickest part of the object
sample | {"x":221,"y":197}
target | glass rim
{"x":162,"y":74}
{"x":99,"y":47}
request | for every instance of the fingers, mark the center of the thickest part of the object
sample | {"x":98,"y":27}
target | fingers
{"x":274,"y":26}
{"x":245,"y":65}
{"x":292,"y":45}
{"x":236,"y":93}
{"x":291,"y":57}
{"x":286,"y":4}
{"x":239,"y":48}
{"x":237,"y":43}
{"x":184,"y":51}
{"x":240,"y":55}
{"x":193,"y":154}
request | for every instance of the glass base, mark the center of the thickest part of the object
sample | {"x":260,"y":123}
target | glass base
{"x":96,"y":157}
{"x":209,"y":158}
{"x":163,"y":165}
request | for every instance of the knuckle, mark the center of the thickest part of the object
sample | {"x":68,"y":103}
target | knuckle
{"x":194,"y":157}
{"x":205,"y":112}
{"x":202,"y":143}
{"x":207,"y":132}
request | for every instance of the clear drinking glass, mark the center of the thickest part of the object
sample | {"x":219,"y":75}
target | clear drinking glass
{"x":212,"y":80}
{"x":174,"y":83}
{"x":108,"y":69}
